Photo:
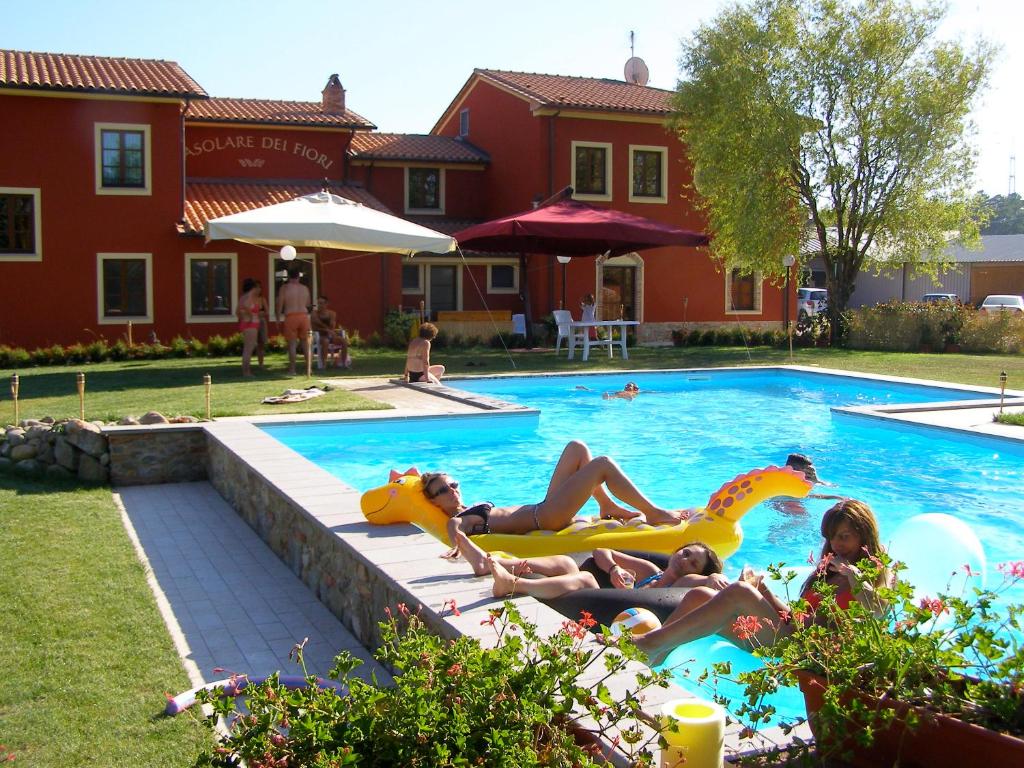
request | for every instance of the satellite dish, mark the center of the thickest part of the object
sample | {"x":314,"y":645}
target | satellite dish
{"x":636,"y":71}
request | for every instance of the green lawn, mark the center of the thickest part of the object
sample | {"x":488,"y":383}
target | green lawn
{"x":174,"y":387}
{"x":85,"y":656}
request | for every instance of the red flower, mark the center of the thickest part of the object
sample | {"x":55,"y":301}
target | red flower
{"x":574,"y":629}
{"x":745,"y":627}
{"x":450,"y":604}
{"x":810,"y":557}
{"x":587,"y":619}
{"x":934,"y":604}
{"x":455,"y":670}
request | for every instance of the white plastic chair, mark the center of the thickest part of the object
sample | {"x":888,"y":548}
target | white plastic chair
{"x":563,"y":321}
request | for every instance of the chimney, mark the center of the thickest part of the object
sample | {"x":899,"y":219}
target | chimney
{"x":333,"y":96}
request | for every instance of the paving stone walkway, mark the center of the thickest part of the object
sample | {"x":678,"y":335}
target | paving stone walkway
{"x":228,"y":601}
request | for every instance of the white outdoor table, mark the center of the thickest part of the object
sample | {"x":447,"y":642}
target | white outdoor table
{"x":610,"y":325}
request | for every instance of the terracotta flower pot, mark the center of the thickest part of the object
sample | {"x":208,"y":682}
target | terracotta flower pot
{"x":939,"y":741}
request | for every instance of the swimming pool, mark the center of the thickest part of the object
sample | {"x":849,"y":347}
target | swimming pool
{"x":689,"y":432}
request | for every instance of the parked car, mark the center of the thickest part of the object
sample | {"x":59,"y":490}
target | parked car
{"x":997,"y":303}
{"x":810,"y":301}
{"x":931,"y":298}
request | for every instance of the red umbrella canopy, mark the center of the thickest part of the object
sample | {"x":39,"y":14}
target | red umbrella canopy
{"x":572,"y":228}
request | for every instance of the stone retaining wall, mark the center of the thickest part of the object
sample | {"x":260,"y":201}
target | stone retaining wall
{"x":344,"y":580}
{"x":162,"y":454}
{"x":65,"y":449}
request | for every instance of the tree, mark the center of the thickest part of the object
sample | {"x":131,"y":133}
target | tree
{"x":1007,"y":215}
{"x":833,"y":128}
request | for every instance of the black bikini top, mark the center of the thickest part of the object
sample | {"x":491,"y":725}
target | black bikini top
{"x":481,"y":510}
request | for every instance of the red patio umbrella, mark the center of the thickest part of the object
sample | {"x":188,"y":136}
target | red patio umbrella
{"x":571,"y":228}
{"x":566,"y":227}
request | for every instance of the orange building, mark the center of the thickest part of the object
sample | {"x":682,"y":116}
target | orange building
{"x":112,"y":166}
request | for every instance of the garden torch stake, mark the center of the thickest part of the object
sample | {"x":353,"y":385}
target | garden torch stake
{"x":1002,"y":390}
{"x":80,"y":382}
{"x":207,"y":383}
{"x":14,"y":395}
{"x":129,"y":334}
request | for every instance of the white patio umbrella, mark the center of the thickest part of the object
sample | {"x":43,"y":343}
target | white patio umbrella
{"x":328,"y":221}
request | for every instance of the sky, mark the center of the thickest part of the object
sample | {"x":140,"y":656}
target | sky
{"x":402,"y":62}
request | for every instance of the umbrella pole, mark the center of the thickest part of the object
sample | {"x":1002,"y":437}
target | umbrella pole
{"x":524,"y":282}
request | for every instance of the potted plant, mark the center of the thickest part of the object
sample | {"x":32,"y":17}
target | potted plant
{"x":934,"y":682}
{"x":520,"y":702}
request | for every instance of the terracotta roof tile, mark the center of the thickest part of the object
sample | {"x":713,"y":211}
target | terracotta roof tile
{"x":261,"y":111}
{"x":443,"y":224}
{"x":583,"y":92}
{"x":209,"y":199}
{"x":412,"y":146}
{"x":95,"y":74}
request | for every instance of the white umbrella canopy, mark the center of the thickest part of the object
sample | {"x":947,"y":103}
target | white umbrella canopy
{"x":324,"y":220}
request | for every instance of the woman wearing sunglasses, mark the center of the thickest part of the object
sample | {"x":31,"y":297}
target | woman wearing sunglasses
{"x":578,"y":476}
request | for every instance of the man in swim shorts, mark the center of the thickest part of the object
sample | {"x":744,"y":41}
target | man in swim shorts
{"x":293,"y":301}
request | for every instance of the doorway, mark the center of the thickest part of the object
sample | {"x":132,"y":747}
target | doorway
{"x":618,"y":292}
{"x":442,"y":293}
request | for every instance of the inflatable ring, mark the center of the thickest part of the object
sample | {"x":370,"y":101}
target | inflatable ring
{"x":717,"y":524}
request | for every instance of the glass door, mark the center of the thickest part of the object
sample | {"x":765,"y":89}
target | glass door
{"x":443,"y":294}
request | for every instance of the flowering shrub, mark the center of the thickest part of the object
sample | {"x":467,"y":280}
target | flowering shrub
{"x":957,"y":654}
{"x":454,"y":702}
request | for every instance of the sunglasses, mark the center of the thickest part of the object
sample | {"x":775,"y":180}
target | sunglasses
{"x":452,"y":485}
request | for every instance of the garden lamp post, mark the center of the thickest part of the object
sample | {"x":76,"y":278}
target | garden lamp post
{"x":207,"y":384}
{"x":563,"y":260}
{"x":1002,"y":390}
{"x":788,"y":261}
{"x":80,"y":385}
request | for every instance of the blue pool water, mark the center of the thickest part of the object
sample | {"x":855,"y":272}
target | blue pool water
{"x":690,"y":432}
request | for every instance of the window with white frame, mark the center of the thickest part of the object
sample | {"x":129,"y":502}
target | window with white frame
{"x":464,"y":123}
{"x":124,"y":164}
{"x":648,"y":174}
{"x":124,"y":287}
{"x":424,"y":190}
{"x":503,"y":278}
{"x":20,"y":224}
{"x":412,"y":278}
{"x":211,"y":285}
{"x":591,"y":170}
{"x":742,"y":292}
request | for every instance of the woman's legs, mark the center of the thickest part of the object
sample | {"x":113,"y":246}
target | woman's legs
{"x":575,"y":480}
{"x":553,"y":565}
{"x":505,"y":584}
{"x":716,"y":616}
{"x":575,"y":456}
{"x":434,"y":374}
{"x":248,"y":345}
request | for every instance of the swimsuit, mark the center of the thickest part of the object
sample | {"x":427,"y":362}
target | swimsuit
{"x":248,"y":325}
{"x":417,"y":376}
{"x":652,"y":578}
{"x":296,"y":325}
{"x":843,"y":598}
{"x":481,"y":510}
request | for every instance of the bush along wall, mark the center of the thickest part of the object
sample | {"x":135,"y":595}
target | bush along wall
{"x":935,"y":327}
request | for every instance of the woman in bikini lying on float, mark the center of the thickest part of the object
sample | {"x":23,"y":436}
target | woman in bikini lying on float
{"x":692,"y":565}
{"x":578,"y":476}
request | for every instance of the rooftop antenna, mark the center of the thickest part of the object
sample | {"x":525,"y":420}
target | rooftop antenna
{"x":636,"y":70}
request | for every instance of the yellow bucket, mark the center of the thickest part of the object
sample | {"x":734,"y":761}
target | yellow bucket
{"x":695,"y":732}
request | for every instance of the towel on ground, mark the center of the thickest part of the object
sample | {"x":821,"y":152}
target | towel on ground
{"x":294,"y":396}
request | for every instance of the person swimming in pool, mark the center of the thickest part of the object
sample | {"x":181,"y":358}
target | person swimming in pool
{"x":577,"y":477}
{"x":628,"y":392}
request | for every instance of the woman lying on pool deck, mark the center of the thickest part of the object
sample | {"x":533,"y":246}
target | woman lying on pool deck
{"x":851,"y":536}
{"x":577,"y":477}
